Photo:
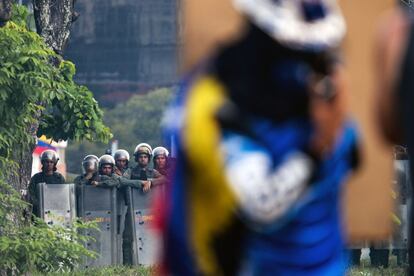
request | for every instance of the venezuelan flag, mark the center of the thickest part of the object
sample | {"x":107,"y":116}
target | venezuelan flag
{"x":43,"y":144}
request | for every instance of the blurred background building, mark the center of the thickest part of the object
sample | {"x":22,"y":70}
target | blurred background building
{"x":124,"y":47}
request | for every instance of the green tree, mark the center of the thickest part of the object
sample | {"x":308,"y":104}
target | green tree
{"x":135,"y":121}
{"x":38,"y":97}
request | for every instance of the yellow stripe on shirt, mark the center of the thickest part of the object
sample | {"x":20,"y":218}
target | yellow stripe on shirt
{"x":211,"y":200}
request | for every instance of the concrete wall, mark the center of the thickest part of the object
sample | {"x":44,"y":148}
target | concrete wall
{"x":124,"y":46}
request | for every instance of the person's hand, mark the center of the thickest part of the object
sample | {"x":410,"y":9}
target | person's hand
{"x":95,"y":183}
{"x":146,"y":186}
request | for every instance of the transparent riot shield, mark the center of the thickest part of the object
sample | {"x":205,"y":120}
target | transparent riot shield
{"x":401,"y":225}
{"x":146,"y":244}
{"x":57,"y":203}
{"x":102,"y":206}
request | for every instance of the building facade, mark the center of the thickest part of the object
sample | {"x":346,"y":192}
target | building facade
{"x":122,"y":47}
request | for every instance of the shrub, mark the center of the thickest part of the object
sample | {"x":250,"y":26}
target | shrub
{"x":33,"y":245}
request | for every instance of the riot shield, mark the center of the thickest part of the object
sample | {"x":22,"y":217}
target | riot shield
{"x":146,"y":244}
{"x":121,"y":213}
{"x":102,"y":206}
{"x":56,"y":203}
{"x":402,"y":179}
{"x":130,"y":237}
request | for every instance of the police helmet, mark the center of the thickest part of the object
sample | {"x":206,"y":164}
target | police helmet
{"x":91,"y":157}
{"x":160,"y":151}
{"x":50,"y":155}
{"x":143,"y":148}
{"x":90,"y":162}
{"x":121,"y":154}
{"x":106,"y":159}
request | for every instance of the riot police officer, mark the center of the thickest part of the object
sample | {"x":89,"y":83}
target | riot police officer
{"x":121,"y":157}
{"x":90,"y":171}
{"x":48,"y":175}
{"x":161,"y":161}
{"x":124,"y":172}
{"x":142,"y":177}
{"x":107,"y":176}
{"x":149,"y":176}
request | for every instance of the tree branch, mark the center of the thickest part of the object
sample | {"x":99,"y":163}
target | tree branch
{"x":53,"y":21}
{"x":5,"y":11}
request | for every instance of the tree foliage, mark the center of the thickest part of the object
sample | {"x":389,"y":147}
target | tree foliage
{"x":139,"y":119}
{"x":35,"y":246}
{"x":36,"y":96}
{"x":29,"y":84}
{"x":135,"y":121}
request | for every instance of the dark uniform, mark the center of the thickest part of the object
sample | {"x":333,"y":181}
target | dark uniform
{"x":137,"y":176}
{"x":122,"y":169}
{"x":125,"y":173}
{"x":153,"y":175}
{"x":109,"y":181}
{"x":49,"y":175}
{"x":81,"y":179}
{"x":91,"y":163}
{"x":55,"y":178}
{"x":104,"y":181}
{"x":166,"y":170}
{"x":136,"y":182}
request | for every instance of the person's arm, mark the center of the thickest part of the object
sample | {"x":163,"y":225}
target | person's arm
{"x":390,"y":45}
{"x":81,"y":181}
{"x":266,"y":193}
{"x":31,"y":195}
{"x":134,"y":183}
{"x":107,"y":181}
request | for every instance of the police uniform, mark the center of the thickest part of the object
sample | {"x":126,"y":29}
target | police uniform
{"x":109,"y":181}
{"x":81,"y":180}
{"x":125,"y":172}
{"x":166,"y":171}
{"x":137,"y":176}
{"x":41,"y":177}
{"x":153,"y":175}
{"x":122,"y":154}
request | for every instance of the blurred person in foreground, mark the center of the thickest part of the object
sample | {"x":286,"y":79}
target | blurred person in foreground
{"x":264,"y":147}
{"x":395,"y":87}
